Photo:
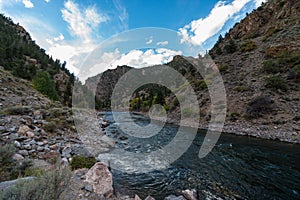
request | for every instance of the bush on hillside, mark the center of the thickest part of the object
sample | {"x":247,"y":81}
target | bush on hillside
{"x":44,"y":84}
{"x":230,"y":47}
{"x":79,"y":162}
{"x":258,"y":106}
{"x":276,"y":82}
{"x":270,"y":67}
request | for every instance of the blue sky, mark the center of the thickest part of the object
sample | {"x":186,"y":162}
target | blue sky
{"x":70,"y":29}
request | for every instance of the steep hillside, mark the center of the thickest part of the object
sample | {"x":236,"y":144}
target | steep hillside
{"x":259,"y":60}
{"x":261,"y":55}
{"x":25,"y":59}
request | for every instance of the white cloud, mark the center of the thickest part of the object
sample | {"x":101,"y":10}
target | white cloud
{"x":72,"y":53}
{"x":162,"y":43}
{"x":47,"y":1}
{"x":198,"y":31}
{"x":55,"y":39}
{"x":28,"y":4}
{"x":122,"y":14}
{"x":59,"y":38}
{"x":134,"y":58}
{"x":81,"y":22}
{"x":259,"y":2}
{"x":149,"y":41}
{"x":139,"y":59}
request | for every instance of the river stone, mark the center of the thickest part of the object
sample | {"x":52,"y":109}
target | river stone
{"x":173,"y":197}
{"x":190,"y":194}
{"x":18,"y":157}
{"x":27,"y":147}
{"x":89,"y":188}
{"x":66,"y":152}
{"x":13,"y":136}
{"x":30,"y":134}
{"x":23,"y":152}
{"x":100,"y":178}
{"x":17,"y":144}
{"x":40,"y":143}
{"x":13,"y":129}
{"x":149,"y":198}
{"x":23,"y":130}
{"x":39,"y":148}
{"x":32,"y":151}
{"x":2,"y":129}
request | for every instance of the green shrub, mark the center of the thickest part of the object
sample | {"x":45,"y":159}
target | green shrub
{"x":223,"y":68}
{"x":230,"y":47}
{"x":201,"y":84}
{"x":18,"y":110}
{"x":276,"y":82}
{"x":242,"y":88}
{"x":49,"y":186}
{"x":258,"y":106}
{"x":270,"y":67}
{"x":50,"y":126}
{"x":6,"y":161}
{"x":166,"y":107}
{"x":79,"y":162}
{"x":218,"y":50}
{"x":295,"y":72}
{"x":24,"y":71}
{"x":234,"y":116}
{"x":10,"y":168}
{"x":37,"y":172}
{"x":248,"y":46}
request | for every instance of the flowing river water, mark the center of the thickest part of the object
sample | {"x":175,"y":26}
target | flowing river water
{"x":238,"y":167}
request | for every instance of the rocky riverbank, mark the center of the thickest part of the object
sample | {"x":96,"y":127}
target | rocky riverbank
{"x":281,"y":132}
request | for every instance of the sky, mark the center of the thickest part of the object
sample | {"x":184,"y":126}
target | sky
{"x":70,"y":30}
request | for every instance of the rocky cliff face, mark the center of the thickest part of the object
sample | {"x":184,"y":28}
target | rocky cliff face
{"x":259,"y":61}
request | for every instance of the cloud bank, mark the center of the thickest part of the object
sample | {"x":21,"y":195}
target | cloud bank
{"x":198,"y":31}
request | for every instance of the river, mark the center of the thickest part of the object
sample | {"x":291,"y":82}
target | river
{"x":238,"y":167}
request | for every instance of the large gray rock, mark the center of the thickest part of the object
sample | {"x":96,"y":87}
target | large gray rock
{"x":8,"y":184}
{"x":100,"y":178}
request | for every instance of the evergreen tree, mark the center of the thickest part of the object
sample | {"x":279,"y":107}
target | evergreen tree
{"x":43,"y":83}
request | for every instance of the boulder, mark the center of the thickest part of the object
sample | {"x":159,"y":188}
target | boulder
{"x":136,"y":197}
{"x":190,"y":194}
{"x":8,"y":184}
{"x":24,"y":129}
{"x":100,"y":178}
